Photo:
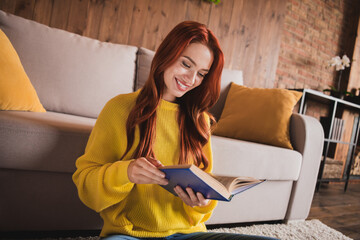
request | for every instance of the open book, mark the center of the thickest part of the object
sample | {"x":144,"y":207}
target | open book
{"x":221,"y":188}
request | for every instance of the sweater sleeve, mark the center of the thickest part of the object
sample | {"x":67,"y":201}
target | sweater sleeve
{"x":101,"y":179}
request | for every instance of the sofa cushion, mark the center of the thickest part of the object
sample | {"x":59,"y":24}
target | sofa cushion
{"x":258,"y":115}
{"x":42,"y":141}
{"x":58,"y":139}
{"x":71,"y":73}
{"x":228,"y":76}
{"x":16,"y":90}
{"x":242,"y":158}
{"x":143,"y":64}
{"x":145,"y":57}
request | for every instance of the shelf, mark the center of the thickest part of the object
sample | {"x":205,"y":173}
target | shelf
{"x":352,"y":177}
{"x":323,"y":98}
{"x":331,"y":126}
{"x":341,"y":142}
{"x":332,"y":180}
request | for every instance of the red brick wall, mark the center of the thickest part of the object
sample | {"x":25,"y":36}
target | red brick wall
{"x":312,"y":35}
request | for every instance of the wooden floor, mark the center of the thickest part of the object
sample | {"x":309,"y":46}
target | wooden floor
{"x":338,"y":209}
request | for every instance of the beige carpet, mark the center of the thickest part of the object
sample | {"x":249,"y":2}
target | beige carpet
{"x":302,"y":230}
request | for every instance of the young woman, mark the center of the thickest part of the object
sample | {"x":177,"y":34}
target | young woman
{"x":165,"y":123}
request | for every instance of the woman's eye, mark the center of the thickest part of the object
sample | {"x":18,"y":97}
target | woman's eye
{"x":185,"y":64}
{"x":201,"y":75}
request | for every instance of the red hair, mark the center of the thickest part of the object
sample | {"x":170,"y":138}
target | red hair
{"x":193,"y":126}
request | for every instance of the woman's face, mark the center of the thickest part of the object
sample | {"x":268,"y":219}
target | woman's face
{"x":187,"y":72}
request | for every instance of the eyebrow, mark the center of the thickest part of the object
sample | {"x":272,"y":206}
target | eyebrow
{"x":190,"y":59}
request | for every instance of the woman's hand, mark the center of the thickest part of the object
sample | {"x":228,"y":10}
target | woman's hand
{"x":144,"y":171}
{"x":190,"y":198}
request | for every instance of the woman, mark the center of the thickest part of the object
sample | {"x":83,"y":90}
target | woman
{"x":164,"y":123}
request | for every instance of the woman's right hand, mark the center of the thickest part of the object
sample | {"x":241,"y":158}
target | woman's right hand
{"x":145,"y":171}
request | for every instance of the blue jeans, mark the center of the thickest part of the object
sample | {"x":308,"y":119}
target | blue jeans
{"x":195,"y":236}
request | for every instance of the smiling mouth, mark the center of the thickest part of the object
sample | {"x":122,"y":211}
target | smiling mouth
{"x":181,"y":86}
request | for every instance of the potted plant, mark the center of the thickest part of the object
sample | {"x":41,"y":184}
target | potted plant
{"x":340,"y":64}
{"x":335,"y":92}
{"x":213,"y":1}
{"x":353,"y":97}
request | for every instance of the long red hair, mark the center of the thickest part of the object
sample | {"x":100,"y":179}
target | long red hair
{"x":193,"y":127}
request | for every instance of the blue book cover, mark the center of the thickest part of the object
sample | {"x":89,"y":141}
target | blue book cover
{"x":221,"y":188}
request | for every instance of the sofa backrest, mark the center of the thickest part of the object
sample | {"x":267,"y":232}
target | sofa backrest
{"x":77,"y":75}
{"x":144,"y":58}
{"x":71,"y":73}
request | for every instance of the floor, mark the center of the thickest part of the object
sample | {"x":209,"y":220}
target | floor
{"x":338,"y":209}
{"x":331,"y":205}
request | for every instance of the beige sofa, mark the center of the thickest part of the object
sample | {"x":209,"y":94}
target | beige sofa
{"x":74,"y":77}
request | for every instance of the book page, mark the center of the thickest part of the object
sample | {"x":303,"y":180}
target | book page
{"x":233,"y":182}
{"x":225,"y":180}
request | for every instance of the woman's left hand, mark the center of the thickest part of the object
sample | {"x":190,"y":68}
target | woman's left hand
{"x":190,"y":198}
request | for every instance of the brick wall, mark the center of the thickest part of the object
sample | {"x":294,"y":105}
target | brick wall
{"x":314,"y":31}
{"x":312,"y":35}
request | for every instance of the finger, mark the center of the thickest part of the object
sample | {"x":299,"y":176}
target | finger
{"x":180,"y":192}
{"x":143,"y":172}
{"x":152,"y":177}
{"x":192,"y":196}
{"x":145,"y":164}
{"x":159,"y":178}
{"x":176,"y":191}
{"x":183,"y":195}
{"x":140,"y":179}
{"x":202,"y":199}
{"x":155,"y":162}
{"x":148,"y":178}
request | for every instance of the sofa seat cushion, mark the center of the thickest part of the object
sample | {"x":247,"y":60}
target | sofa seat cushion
{"x":42,"y":141}
{"x":71,"y":73}
{"x":242,"y":158}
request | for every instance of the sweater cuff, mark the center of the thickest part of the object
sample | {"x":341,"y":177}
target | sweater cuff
{"x":206,"y":209}
{"x":117,"y":174}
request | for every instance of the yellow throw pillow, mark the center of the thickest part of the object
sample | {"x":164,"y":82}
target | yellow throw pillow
{"x":16,"y":90}
{"x":258,"y":115}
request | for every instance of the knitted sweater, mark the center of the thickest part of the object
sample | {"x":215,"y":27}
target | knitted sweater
{"x":140,"y":210}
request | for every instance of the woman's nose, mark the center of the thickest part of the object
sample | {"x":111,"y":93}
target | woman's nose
{"x":191,"y":77}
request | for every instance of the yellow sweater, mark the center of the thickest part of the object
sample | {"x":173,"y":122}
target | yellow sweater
{"x":140,"y":210}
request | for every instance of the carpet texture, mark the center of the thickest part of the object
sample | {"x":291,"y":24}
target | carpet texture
{"x":301,"y":230}
{"x":311,"y":229}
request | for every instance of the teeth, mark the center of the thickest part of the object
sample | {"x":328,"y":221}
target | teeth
{"x":181,"y":85}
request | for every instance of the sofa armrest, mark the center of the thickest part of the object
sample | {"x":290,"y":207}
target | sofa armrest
{"x":307,"y":137}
